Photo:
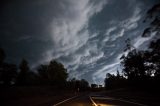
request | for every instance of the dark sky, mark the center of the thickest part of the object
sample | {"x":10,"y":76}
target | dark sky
{"x":87,"y":36}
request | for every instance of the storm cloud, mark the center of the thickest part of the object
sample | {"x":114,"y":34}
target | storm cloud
{"x":87,"y":36}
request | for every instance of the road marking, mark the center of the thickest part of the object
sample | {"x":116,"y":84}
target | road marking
{"x":132,"y":102}
{"x":118,"y":100}
{"x":104,"y":98}
{"x":65,"y":100}
{"x":93,"y":101}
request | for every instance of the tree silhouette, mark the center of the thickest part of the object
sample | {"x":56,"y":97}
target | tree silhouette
{"x":114,"y":81}
{"x":143,"y":67}
{"x":155,"y":56}
{"x":109,"y":81}
{"x":23,"y":74}
{"x":8,"y":72}
{"x":43,"y":74}
{"x":84,"y":85}
{"x":54,"y":74}
{"x":78,"y":85}
{"x":57,"y":73}
{"x":133,"y":65}
{"x":71,"y":84}
{"x":93,"y":86}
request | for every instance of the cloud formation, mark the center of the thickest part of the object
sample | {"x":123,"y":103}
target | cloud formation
{"x":87,"y":36}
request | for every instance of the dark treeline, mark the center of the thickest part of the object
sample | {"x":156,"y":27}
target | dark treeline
{"x":52,"y":74}
{"x":141,"y":69}
{"x":115,"y":81}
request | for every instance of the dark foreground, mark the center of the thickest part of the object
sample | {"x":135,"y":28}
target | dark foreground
{"x":46,"y":96}
{"x":97,"y":100}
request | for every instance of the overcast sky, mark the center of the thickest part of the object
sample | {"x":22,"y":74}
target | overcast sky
{"x":87,"y":36}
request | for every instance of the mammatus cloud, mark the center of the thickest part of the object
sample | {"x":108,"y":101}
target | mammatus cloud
{"x":111,"y":30}
{"x":69,"y":33}
{"x":87,"y":36}
{"x":139,"y":41}
{"x":102,"y":72}
{"x":132,"y":22}
{"x":116,"y":31}
{"x":74,"y":43}
{"x":120,"y":27}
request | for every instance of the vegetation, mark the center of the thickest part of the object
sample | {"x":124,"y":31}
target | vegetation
{"x":53,"y":74}
{"x":114,"y":81}
{"x":141,"y":69}
{"x":8,"y":72}
{"x":78,"y":85}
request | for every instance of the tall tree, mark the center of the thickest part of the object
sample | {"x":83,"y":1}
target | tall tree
{"x":133,"y":65}
{"x":155,"y":56}
{"x":54,"y":73}
{"x":8,"y":72}
{"x":84,"y":85}
{"x":23,"y":74}
{"x":145,"y":65}
{"x":153,"y":15}
{"x":43,"y":74}
{"x":57,"y":73}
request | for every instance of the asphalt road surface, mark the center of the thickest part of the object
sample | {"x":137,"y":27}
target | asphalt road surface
{"x":91,"y":100}
{"x":78,"y":101}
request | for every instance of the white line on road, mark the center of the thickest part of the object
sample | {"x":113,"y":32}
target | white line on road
{"x":93,"y":101}
{"x":64,"y":101}
{"x":109,"y":98}
{"x":132,"y":102}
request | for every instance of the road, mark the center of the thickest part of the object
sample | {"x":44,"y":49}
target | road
{"x":91,"y":100}
{"x":83,"y":100}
